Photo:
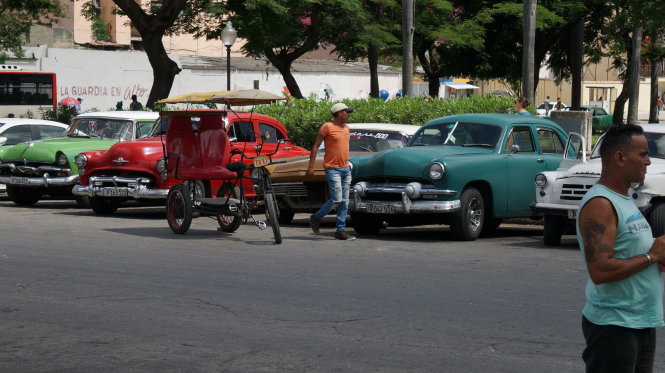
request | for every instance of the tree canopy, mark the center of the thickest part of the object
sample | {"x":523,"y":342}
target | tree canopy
{"x":16,"y":17}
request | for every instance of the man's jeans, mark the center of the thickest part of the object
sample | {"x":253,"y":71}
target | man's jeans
{"x":339,"y":181}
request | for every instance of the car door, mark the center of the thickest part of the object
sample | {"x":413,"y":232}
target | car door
{"x":270,"y":136}
{"x":523,"y":162}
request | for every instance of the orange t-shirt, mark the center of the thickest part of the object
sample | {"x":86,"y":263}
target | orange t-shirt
{"x":336,"y":140}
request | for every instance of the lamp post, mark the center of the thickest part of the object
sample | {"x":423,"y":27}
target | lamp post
{"x":228,"y":37}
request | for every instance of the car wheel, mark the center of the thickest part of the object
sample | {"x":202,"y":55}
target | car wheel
{"x":23,"y":196}
{"x":467,"y":223}
{"x":552,"y":230}
{"x":228,"y":222}
{"x":656,"y":219}
{"x":179,"y":209}
{"x":286,"y":216}
{"x":366,"y":224}
{"x":104,"y":206}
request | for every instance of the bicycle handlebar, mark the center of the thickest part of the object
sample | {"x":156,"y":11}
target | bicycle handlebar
{"x":235,"y":151}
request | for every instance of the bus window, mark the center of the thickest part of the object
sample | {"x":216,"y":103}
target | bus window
{"x":22,"y":92}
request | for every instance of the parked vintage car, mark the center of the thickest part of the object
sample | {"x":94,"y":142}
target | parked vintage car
{"x":468,"y":171}
{"x":600,"y":119}
{"x":47,"y":167}
{"x":17,"y":130}
{"x":543,"y":112}
{"x":559,"y":192}
{"x":135,"y":170}
{"x":297,"y":192}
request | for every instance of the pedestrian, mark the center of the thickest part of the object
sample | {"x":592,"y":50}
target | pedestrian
{"x":335,"y":135}
{"x":546,"y":104}
{"x":559,"y":105}
{"x":135,"y":105}
{"x":624,"y":291}
{"x":659,"y":103}
{"x":118,"y":106}
{"x":78,"y":106}
{"x":520,"y":105}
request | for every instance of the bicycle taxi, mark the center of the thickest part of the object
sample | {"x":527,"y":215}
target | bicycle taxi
{"x":198,"y":152}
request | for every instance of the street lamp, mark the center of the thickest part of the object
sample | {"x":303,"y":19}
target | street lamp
{"x":228,"y":37}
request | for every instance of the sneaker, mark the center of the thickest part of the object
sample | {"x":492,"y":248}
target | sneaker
{"x":341,"y":235}
{"x":315,"y":224}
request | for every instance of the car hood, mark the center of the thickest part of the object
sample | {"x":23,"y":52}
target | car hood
{"x":45,"y":150}
{"x":408,"y":162}
{"x":593,"y":167}
{"x":135,"y":154}
{"x":293,"y":169}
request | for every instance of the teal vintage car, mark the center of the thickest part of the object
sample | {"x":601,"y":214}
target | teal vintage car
{"x":468,"y":171}
{"x":46,"y":167}
{"x":600,"y":119}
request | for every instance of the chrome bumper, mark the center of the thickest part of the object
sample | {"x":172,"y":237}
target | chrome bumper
{"x":552,"y":208}
{"x":123,"y":187}
{"x":44,"y":181}
{"x":406,"y":205}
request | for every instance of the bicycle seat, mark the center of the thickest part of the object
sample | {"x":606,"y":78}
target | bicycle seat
{"x":236,"y":167}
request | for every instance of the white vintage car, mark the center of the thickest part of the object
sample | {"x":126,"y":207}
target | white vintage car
{"x":558,"y":192}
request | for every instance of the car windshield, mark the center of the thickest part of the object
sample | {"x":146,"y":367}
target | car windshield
{"x":102,"y":128}
{"x":457,"y":134}
{"x":656,"y":142}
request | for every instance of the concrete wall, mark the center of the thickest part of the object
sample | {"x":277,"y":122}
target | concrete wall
{"x":101,"y":78}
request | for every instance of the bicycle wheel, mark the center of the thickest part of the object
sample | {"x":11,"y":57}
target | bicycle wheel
{"x":228,"y":222}
{"x":179,"y":209}
{"x":271,"y":214}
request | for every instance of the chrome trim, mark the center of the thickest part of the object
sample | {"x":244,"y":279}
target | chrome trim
{"x":138,"y":191}
{"x":405,"y":205}
{"x":44,"y":181}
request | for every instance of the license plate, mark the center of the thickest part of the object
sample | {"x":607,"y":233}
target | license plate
{"x":572,"y":214}
{"x":114,"y":193}
{"x":18,"y":180}
{"x":261,"y":160}
{"x":381,"y":209}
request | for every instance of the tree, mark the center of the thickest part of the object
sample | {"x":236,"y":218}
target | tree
{"x":16,"y":17}
{"x":282,"y":31}
{"x":372,"y":37}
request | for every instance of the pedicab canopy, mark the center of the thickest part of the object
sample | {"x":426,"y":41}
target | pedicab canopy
{"x":242,"y":97}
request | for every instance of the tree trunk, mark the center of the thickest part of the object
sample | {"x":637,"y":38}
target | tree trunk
{"x":656,"y":70}
{"x":576,"y":63}
{"x":373,"y":60}
{"x":620,"y":103}
{"x":283,"y":65}
{"x":164,"y":69}
{"x":431,"y":67}
{"x":634,"y":79}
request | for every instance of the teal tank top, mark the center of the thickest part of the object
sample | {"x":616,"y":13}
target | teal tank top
{"x":636,"y":301}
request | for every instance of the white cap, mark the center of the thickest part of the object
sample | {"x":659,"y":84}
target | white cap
{"x":339,"y":107}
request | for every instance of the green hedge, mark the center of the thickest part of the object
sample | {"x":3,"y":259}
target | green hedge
{"x":303,"y":118}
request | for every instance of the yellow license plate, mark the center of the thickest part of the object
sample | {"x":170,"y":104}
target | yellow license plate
{"x":261,"y":160}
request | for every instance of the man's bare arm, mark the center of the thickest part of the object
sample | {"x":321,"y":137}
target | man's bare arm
{"x":312,"y":155}
{"x":598,"y":227}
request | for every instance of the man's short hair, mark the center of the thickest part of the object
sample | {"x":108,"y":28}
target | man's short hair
{"x":617,"y":137}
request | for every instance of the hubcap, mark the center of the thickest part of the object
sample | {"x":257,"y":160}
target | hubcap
{"x":475,"y":214}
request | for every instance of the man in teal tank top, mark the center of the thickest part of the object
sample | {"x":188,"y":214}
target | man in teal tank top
{"x":624,"y":291}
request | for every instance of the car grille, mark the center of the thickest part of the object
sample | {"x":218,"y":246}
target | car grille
{"x":118,"y":178}
{"x":290,"y":189}
{"x":574,"y":192}
{"x":30,"y":168}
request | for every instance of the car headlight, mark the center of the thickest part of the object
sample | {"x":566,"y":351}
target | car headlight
{"x":161,"y":165}
{"x":80,"y":160}
{"x":436,"y":170}
{"x":541,"y":180}
{"x":62,"y":160}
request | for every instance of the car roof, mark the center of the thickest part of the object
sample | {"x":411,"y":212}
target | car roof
{"x":134,"y":115}
{"x":15,"y":121}
{"x":654,"y":127}
{"x":503,"y":120}
{"x":403,"y":128}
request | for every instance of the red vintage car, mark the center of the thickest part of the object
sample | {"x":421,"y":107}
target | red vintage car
{"x":136,"y":170}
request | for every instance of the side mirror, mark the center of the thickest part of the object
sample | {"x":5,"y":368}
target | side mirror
{"x":233,"y":139}
{"x":3,"y":140}
{"x":265,"y":135}
{"x":514,"y":148}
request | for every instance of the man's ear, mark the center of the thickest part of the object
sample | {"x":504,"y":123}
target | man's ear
{"x":620,"y":158}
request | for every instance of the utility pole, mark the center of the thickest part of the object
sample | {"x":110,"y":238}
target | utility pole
{"x":407,"y":51}
{"x":634,"y":71}
{"x":529,"y":45}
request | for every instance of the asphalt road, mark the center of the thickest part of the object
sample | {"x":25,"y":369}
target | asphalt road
{"x":83,"y":293}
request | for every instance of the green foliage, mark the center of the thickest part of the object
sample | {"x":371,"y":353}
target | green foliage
{"x":100,"y":31}
{"x":303,"y":118}
{"x":16,"y":17}
{"x":63,"y":114}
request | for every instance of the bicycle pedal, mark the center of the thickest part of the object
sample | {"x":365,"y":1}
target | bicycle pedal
{"x":261,"y":224}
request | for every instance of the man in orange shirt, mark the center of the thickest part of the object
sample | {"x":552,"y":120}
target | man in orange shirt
{"x":335,"y":135}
